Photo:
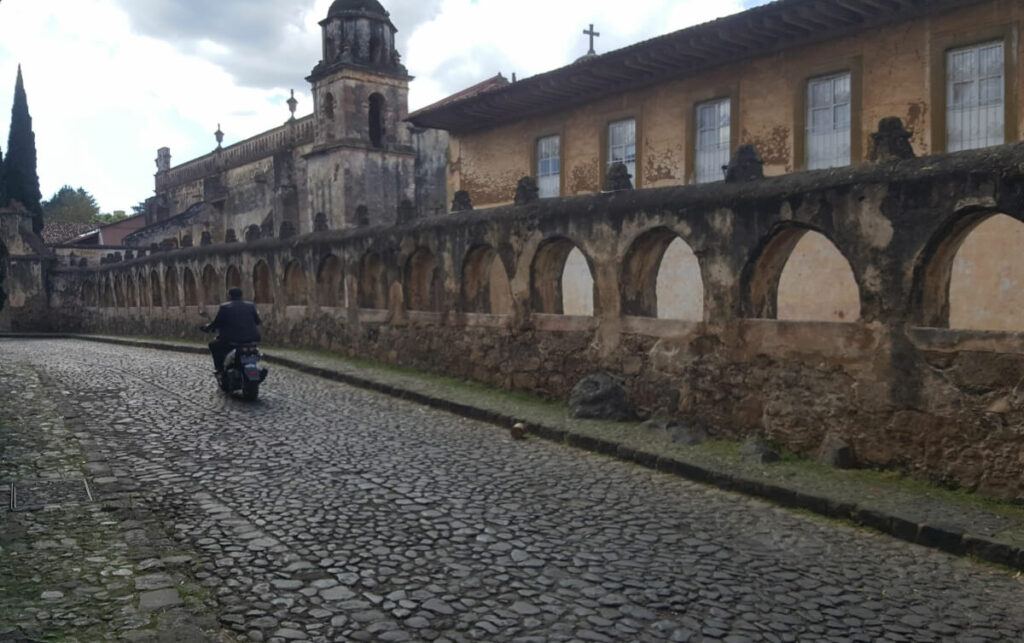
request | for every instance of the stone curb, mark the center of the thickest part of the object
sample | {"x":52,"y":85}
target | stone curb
{"x":951,"y":541}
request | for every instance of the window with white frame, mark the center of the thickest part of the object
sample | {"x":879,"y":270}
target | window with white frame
{"x":622,"y":145}
{"x":828,"y":121}
{"x":549,"y":167}
{"x":975,"y":104}
{"x":714,"y":130}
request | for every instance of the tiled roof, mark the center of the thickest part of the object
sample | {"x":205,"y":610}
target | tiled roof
{"x":56,"y":233}
{"x":495,"y":82}
{"x":767,"y":29}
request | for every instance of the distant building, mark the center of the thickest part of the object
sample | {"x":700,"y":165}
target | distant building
{"x":805,"y":81}
{"x":353,"y":162}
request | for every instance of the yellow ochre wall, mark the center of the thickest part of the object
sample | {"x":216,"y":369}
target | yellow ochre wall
{"x":897,"y":71}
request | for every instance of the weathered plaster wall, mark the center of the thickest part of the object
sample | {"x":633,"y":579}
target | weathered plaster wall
{"x":904,"y":389}
{"x":23,"y":265}
{"x":895,"y":67}
{"x":987,"y":289}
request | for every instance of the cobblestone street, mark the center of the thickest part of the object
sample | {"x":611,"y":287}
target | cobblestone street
{"x":325,"y":512}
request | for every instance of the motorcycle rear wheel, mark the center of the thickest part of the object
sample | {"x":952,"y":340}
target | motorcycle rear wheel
{"x":250,"y":391}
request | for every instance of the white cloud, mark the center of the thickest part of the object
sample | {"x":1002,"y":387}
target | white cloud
{"x":110,"y":81}
{"x":470,"y":40}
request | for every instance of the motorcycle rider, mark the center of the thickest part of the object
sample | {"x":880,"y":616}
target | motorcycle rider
{"x":237,"y":322}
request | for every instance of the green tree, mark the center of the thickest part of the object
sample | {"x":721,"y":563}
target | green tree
{"x":20,"y":175}
{"x":113,"y":217}
{"x":69,"y":205}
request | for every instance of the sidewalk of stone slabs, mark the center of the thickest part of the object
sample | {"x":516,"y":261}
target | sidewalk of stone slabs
{"x":960,"y":523}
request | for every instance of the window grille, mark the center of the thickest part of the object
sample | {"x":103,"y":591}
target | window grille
{"x":549,"y":167}
{"x":622,"y":145}
{"x":828,"y":122}
{"x":714,"y":125}
{"x":975,"y":105}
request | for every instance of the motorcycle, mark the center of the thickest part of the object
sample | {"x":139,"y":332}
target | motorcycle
{"x":242,"y":370}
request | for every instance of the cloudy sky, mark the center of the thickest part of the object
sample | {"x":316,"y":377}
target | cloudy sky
{"x":110,"y":81}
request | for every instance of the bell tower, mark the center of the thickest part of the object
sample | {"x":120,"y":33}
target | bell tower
{"x":362,"y":159}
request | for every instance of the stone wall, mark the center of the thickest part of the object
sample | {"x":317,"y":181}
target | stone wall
{"x":903,"y":388}
{"x":24,"y":264}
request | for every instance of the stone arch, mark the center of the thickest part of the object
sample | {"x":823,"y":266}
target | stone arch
{"x":107,"y":300}
{"x":329,"y":105}
{"x":253,"y":233}
{"x":330,"y":283}
{"x":88,"y":295}
{"x":971,"y":275}
{"x":798,"y":274}
{"x":232,"y":278}
{"x":320,"y":223}
{"x":377,"y":110}
{"x":3,"y":274}
{"x":296,"y":289}
{"x":171,"y":297}
{"x":131,"y":292}
{"x":155,"y":290}
{"x":422,"y":281}
{"x":562,"y":280}
{"x":189,"y":287}
{"x":373,"y":284}
{"x":144,"y":298}
{"x":120,"y":294}
{"x":211,"y":286}
{"x":485,"y":283}
{"x":661,"y":277}
{"x":262,"y":292}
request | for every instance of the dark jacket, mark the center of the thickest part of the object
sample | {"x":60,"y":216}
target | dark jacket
{"x":237,"y":322}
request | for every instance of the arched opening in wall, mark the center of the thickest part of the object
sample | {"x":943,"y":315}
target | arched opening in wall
{"x":189,"y":287}
{"x":330,"y":287}
{"x":155,"y":291}
{"x":253,"y":233}
{"x":373,"y":285}
{"x":108,"y":294}
{"x":211,"y":286}
{"x":171,"y":297}
{"x":131,"y":292}
{"x":422,"y":287}
{"x":485,"y":283}
{"x":661,"y":277}
{"x":296,"y":289}
{"x":120,"y":295}
{"x":262,"y":291}
{"x":562,"y":282}
{"x":974,"y":278}
{"x":800,"y":275}
{"x":328,"y":105}
{"x":88,"y":295}
{"x":144,"y":299}
{"x":377,"y":111}
{"x":233,"y":278}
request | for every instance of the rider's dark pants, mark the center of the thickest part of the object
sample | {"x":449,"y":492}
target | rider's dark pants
{"x":219,"y":349}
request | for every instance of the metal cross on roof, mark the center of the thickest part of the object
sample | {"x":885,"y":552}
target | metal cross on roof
{"x":593,"y":34}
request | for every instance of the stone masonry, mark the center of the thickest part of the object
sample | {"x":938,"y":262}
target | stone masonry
{"x":898,"y":385}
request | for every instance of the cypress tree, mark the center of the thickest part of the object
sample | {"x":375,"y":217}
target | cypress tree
{"x":20,"y":176}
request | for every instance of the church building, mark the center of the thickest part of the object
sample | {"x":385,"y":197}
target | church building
{"x":353,"y":162}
